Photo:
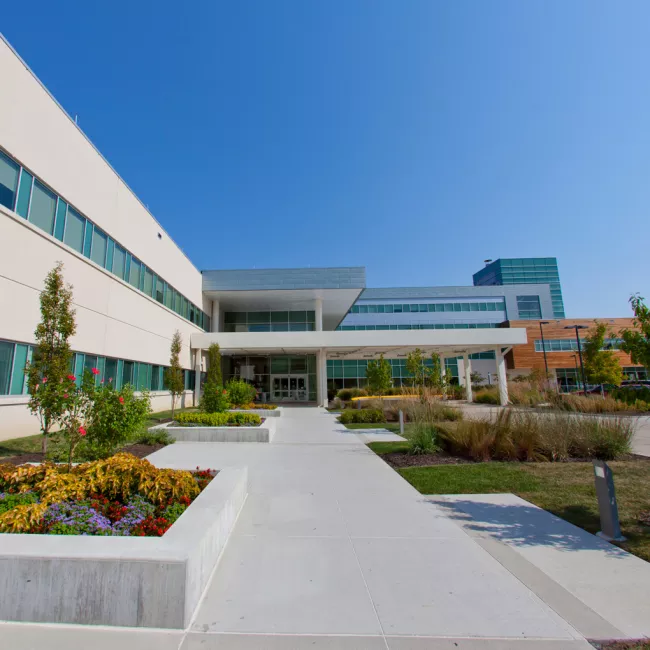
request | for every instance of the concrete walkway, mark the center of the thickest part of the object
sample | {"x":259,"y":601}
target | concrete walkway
{"x":334,"y":550}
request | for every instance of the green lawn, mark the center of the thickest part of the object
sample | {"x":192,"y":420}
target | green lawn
{"x":565,"y":489}
{"x":391,"y":426}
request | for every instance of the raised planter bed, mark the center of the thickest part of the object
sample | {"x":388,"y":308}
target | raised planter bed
{"x":124,"y":581}
{"x":199,"y":433}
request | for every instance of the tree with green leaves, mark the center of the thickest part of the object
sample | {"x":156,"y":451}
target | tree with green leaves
{"x":379,"y":375}
{"x":415,"y":367}
{"x":601,"y":366}
{"x":174,"y":374}
{"x":636,"y":342}
{"x":214,"y":365}
{"x":52,"y":357}
{"x":215,"y":397}
{"x":436,"y":380}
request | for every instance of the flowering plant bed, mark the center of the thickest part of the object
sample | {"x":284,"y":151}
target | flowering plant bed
{"x":219,"y":419}
{"x":120,"y":496}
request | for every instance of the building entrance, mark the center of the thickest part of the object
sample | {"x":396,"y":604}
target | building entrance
{"x":289,"y":388}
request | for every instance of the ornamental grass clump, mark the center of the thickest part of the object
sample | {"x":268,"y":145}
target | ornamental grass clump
{"x":122,"y":495}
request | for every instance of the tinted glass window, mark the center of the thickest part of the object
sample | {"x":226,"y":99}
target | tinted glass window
{"x":42,"y":208}
{"x":119,"y":257}
{"x":8,"y":181}
{"x":6,"y":360}
{"x":134,"y":273}
{"x":74,"y":230}
{"x":98,"y":251}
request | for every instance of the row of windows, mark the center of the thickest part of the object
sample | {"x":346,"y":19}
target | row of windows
{"x":30,"y":198}
{"x":528,"y":262}
{"x":419,"y":326}
{"x":529,"y":308}
{"x":428,"y":307}
{"x":571,"y":345}
{"x":349,"y":368}
{"x":142,"y":376}
{"x":270,"y":321}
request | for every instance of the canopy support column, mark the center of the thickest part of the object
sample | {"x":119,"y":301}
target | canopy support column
{"x":467,"y":363}
{"x":502,"y":377}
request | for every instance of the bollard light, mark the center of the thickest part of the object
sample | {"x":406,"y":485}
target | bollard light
{"x":610,"y":527}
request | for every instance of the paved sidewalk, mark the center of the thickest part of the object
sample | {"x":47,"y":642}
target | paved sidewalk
{"x":335,"y":550}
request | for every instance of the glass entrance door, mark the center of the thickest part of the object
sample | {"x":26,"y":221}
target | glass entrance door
{"x":289,"y":388}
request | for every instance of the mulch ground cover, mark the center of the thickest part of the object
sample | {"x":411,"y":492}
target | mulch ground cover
{"x":140,"y":451}
{"x":639,"y":644}
{"x":404,"y":459}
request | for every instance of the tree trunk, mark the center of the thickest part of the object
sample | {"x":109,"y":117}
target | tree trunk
{"x":173,"y":404}
{"x":44,"y":444}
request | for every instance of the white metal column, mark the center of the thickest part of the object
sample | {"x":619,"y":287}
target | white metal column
{"x":197,"y":376}
{"x":503,"y":378}
{"x":319,"y":314}
{"x":467,"y":363}
{"x":321,"y":377}
{"x":214,"y":321}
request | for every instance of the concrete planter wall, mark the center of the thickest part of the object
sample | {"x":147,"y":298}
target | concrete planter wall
{"x":262,"y":433}
{"x":125,"y":581}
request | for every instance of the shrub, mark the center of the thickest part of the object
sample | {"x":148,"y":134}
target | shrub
{"x":514,"y":435}
{"x":486,"y":396}
{"x":240,"y":392}
{"x":360,"y":416}
{"x":587,"y":404}
{"x":154,"y":437}
{"x":631,"y":396}
{"x":430,"y":409}
{"x":172,"y":512}
{"x":259,"y":407}
{"x":219,"y":419}
{"x":215,"y":398}
{"x":346,"y":394}
{"x":422,"y":439}
{"x":9,"y":501}
{"x":115,"y":416}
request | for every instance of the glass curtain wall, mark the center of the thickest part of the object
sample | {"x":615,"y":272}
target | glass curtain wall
{"x":269,"y":321}
{"x":259,"y":370}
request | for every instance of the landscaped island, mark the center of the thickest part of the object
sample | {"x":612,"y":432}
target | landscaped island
{"x":119,"y":496}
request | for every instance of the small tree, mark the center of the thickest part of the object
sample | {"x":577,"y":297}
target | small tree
{"x":415,"y":366}
{"x":174,"y":374}
{"x":436,"y":379}
{"x":78,"y":403}
{"x":601,"y":366}
{"x":52,"y":355}
{"x":636,"y":342}
{"x":476,"y":378}
{"x":215,"y":398}
{"x":214,"y":365}
{"x":379,"y":375}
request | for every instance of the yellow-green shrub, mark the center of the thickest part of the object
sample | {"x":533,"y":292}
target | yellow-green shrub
{"x":219,"y":419}
{"x":22,"y":519}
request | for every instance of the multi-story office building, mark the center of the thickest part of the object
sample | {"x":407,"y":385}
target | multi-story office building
{"x":523,"y":270}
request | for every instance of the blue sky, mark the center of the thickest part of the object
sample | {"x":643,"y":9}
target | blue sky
{"x":414,"y":137}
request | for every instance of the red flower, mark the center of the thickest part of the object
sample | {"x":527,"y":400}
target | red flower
{"x":110,"y":379}
{"x":102,"y":381}
{"x":71,"y":377}
{"x":224,"y":392}
{"x":121,"y":400}
{"x":65,"y":395}
{"x":82,"y":432}
{"x":45,"y":380}
{"x":95,"y":371}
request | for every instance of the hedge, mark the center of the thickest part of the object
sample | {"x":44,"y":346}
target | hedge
{"x":357,"y":416}
{"x":219,"y":419}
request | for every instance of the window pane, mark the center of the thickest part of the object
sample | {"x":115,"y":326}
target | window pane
{"x":169,"y":296}
{"x":127,"y":373}
{"x":148,"y":281}
{"x":18,"y":379}
{"x":119,"y":257}
{"x":42,"y":208}
{"x":159,"y":290}
{"x":24,"y":193}
{"x":74,"y":230}
{"x":8,"y":181}
{"x":280,"y":317}
{"x":59,"y":228}
{"x":110,"y":371}
{"x":88,"y":240}
{"x":155,"y":378}
{"x":98,"y":252}
{"x":6,"y":359}
{"x":134,"y":273}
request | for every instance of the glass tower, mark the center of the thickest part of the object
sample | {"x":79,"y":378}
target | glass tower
{"x":525,"y":270}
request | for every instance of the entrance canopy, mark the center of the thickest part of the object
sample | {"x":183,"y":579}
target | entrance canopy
{"x":363,"y":344}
